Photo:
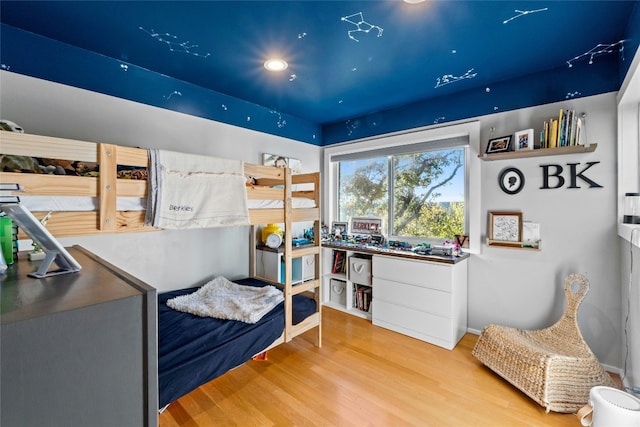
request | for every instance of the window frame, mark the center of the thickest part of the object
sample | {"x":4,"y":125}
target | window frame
{"x":470,"y":130}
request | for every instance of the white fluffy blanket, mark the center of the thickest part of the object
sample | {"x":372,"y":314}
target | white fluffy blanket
{"x":223,"y":299}
{"x":193,"y":191}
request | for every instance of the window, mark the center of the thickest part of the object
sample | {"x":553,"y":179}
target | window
{"x":418,"y":194}
{"x":394,"y":152}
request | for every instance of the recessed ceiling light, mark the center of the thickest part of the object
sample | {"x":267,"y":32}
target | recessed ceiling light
{"x":275,"y":64}
{"x":413,"y":1}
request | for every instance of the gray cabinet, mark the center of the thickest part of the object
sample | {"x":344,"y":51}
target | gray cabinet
{"x":78,"y":349}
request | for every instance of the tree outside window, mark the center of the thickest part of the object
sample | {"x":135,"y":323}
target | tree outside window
{"x":420,"y":194}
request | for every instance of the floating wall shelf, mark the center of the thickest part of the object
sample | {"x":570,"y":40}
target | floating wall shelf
{"x":574,"y":149}
{"x":515,"y":245}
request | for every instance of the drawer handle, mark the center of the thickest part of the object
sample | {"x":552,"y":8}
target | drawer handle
{"x":338,"y":289}
{"x":358,"y":268}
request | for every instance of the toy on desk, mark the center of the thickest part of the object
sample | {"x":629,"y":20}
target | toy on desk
{"x":422,"y":249}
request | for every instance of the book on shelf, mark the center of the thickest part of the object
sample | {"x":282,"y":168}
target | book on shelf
{"x":339,"y":262}
{"x":362,"y":300}
{"x":553,"y":133}
{"x":564,"y":131}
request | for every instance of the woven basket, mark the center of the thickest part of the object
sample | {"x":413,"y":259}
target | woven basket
{"x":553,"y":366}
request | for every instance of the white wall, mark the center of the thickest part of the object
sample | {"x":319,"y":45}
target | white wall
{"x":578,"y":227}
{"x":164,"y":259}
{"x":518,"y":288}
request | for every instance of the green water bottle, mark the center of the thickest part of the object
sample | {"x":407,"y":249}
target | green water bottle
{"x":6,"y":238}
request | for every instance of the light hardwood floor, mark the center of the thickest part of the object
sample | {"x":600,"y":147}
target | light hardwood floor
{"x":362,"y":376}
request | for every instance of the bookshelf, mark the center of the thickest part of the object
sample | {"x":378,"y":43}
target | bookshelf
{"x":540,"y":152}
{"x":347,"y":285}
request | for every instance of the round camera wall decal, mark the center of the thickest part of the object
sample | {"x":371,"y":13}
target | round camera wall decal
{"x":511,"y":180}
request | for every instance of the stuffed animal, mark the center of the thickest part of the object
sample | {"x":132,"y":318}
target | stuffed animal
{"x":9,"y":163}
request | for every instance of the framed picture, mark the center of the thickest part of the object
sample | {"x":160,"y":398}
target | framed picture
{"x":505,"y":227}
{"x":524,"y":140}
{"x":282,"y":162}
{"x":339,"y":228}
{"x":499,"y":145}
{"x":511,"y":180}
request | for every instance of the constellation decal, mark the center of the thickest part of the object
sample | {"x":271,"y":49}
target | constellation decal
{"x":292,"y":77}
{"x":175,"y":92}
{"x":572,"y":94}
{"x":523,"y":13}
{"x":5,"y":67}
{"x":599,"y":49}
{"x":438,"y":120}
{"x":302,"y":35}
{"x":174,"y":45}
{"x":352,"y":125}
{"x":281,"y":122}
{"x":361,"y":25}
{"x":450,"y":78}
{"x":224,"y":107}
{"x":125,"y":67}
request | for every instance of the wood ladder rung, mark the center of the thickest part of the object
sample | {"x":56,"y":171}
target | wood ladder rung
{"x":305,"y":286}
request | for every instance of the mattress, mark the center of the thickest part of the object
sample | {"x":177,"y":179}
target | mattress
{"x":83,"y":204}
{"x":194,"y":350}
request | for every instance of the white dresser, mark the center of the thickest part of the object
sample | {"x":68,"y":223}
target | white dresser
{"x":421,"y":299}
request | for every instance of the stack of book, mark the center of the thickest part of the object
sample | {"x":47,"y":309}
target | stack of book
{"x":339,"y":262}
{"x":362,"y":300}
{"x":564,"y":131}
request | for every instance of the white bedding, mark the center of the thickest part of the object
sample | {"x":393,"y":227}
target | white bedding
{"x":78,"y":203}
{"x":224,"y":299}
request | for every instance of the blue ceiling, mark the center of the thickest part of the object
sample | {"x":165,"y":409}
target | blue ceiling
{"x":356,"y":68}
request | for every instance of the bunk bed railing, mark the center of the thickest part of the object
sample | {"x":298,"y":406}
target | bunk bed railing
{"x":108,"y":187}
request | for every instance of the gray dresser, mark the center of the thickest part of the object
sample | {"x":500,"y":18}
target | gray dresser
{"x":77,"y":349}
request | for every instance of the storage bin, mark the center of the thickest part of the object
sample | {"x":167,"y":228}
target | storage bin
{"x":337,"y":292}
{"x":360,"y":270}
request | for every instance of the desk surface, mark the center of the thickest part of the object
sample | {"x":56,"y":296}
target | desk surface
{"x":399,"y":253}
{"x":23,"y":297}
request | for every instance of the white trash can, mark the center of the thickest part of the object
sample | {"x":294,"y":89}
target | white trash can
{"x":610,"y":407}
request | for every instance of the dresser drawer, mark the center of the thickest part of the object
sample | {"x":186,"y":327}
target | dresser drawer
{"x":360,"y":270}
{"x":414,"y":297}
{"x":415,"y":323}
{"x":418,"y":273}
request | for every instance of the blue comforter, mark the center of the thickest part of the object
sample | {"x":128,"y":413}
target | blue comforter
{"x":194,"y":350}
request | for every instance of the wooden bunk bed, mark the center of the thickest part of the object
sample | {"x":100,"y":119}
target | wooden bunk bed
{"x":105,"y":190}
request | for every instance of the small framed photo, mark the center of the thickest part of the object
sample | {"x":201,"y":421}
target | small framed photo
{"x":511,"y":180}
{"x":282,"y":162}
{"x":339,"y":228}
{"x":505,"y":228}
{"x":524,"y":140}
{"x":499,"y":145}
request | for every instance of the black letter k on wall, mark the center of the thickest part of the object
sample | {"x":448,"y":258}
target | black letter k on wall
{"x":555,"y":171}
